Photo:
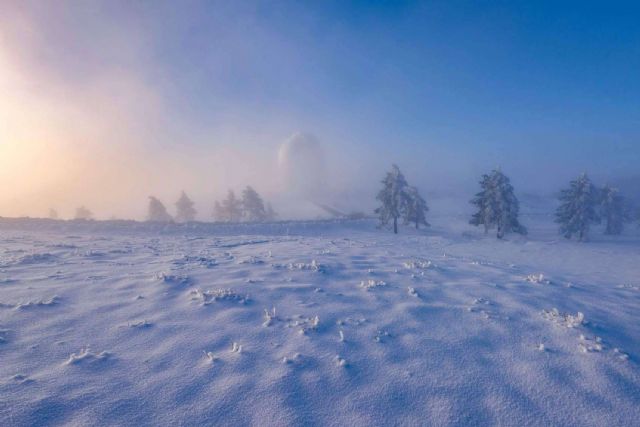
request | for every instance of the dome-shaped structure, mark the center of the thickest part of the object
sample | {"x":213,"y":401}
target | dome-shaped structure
{"x":301,"y":165}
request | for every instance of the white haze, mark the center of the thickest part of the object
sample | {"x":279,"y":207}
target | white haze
{"x":111,"y":133}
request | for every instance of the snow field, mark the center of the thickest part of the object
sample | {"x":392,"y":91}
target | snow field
{"x":329,"y":324}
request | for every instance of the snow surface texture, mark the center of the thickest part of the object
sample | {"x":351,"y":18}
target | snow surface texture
{"x":315,"y":323}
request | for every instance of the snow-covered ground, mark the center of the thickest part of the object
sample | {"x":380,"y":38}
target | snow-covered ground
{"x":315,"y":323}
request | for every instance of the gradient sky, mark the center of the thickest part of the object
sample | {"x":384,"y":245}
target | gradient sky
{"x":121,"y":95}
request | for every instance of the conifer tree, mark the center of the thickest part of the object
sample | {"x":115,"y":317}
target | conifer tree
{"x":252,"y":205}
{"x":185,"y":212}
{"x":577,"y":210}
{"x":416,"y":210}
{"x":157,"y":212}
{"x":393,"y":197}
{"x":83,"y":213}
{"x":231,"y":208}
{"x":497,"y":205}
{"x":614,"y":210}
{"x":218,"y":212}
{"x":271,"y":214}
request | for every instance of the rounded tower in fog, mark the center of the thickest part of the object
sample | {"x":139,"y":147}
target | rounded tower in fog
{"x":301,"y":165}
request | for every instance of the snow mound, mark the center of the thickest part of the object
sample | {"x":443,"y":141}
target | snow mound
{"x":537,"y":278}
{"x":372,"y":284}
{"x":564,"y":319}
{"x":173,"y":279}
{"x":209,"y":297}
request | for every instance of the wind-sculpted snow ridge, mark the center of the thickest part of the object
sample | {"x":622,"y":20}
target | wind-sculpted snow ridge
{"x":86,"y":356}
{"x":315,"y":323}
{"x":208,"y":297}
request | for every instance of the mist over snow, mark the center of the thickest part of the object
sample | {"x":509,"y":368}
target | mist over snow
{"x":128,"y":103}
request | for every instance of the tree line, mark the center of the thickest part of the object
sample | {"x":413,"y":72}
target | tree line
{"x":582,"y":205}
{"x":249,"y":207}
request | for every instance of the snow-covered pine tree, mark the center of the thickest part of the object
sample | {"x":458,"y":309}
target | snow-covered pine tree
{"x":232,"y":208}
{"x":497,"y":205}
{"x":577,"y":210}
{"x":270,"y":214}
{"x":252,"y":205}
{"x":485,"y":205}
{"x":614,"y":210}
{"x":394,"y":198}
{"x":83,"y":213}
{"x":185,"y":212}
{"x":218,"y":212}
{"x":157,"y":212}
{"x":416,"y":208}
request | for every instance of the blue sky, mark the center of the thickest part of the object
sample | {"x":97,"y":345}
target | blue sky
{"x":544,"y":89}
{"x":509,"y":79}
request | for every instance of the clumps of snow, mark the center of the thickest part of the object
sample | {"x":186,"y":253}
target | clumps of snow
{"x":341,"y":362}
{"x":372,"y":284}
{"x":587,"y":345}
{"x":312,"y":266}
{"x":541,"y":347}
{"x":341,"y":335}
{"x":173,"y":279}
{"x":412,"y":292}
{"x":269,"y":317}
{"x":537,"y":278}
{"x":38,"y":303}
{"x":296,"y":358}
{"x":478,"y":302}
{"x":304,"y":324}
{"x":86,"y":356}
{"x":564,"y":319}
{"x":236,"y":348}
{"x":418,"y":264}
{"x":381,"y":336}
{"x":621,"y":354}
{"x":141,"y":324}
{"x":209,"y":297}
{"x":210,"y":357}
{"x":477,"y":307}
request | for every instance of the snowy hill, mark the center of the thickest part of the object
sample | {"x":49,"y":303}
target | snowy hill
{"x":315,"y":323}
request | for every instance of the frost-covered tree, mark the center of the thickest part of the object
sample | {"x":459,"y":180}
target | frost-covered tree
{"x":231,"y":208}
{"x":393,"y":197}
{"x":270,"y":214}
{"x":614,"y":210}
{"x":252,"y":205}
{"x":156,"y":212}
{"x":416,"y":209}
{"x":578,"y":208}
{"x":497,"y":205}
{"x":83,"y":213}
{"x":185,"y":212}
{"x":218,"y":212}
